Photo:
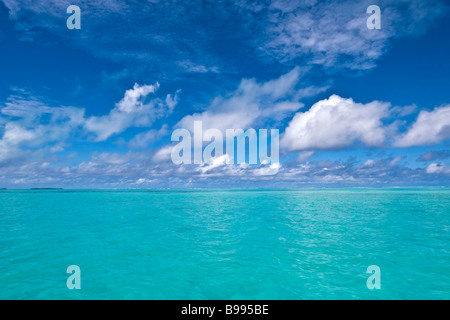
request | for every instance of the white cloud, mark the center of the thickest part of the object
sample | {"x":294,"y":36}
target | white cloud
{"x":337,"y":123}
{"x":163,"y":154}
{"x":326,"y":32}
{"x":251,"y":102}
{"x":438,"y":168}
{"x":15,"y":135}
{"x":131,"y":111}
{"x":23,"y":126}
{"x":304,"y":156}
{"x":217,"y":162}
{"x":197,"y":68}
{"x":431,"y":127}
{"x":29,"y":126}
{"x":334,"y":33}
{"x":142,"y":140}
{"x":396,"y":160}
{"x":143,"y":181}
{"x":267,"y":170}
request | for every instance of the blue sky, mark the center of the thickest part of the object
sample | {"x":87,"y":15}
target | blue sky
{"x":96,"y":107}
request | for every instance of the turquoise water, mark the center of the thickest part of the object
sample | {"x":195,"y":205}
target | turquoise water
{"x":225,"y":244}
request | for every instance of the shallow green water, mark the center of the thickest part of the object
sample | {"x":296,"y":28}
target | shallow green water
{"x":225,"y":244}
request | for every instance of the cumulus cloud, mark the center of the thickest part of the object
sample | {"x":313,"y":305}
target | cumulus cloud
{"x":431,"y":127}
{"x":131,"y":111}
{"x":216,"y":162}
{"x":28,"y":124}
{"x":250,"y":103}
{"x":32,"y":130}
{"x":132,"y":169}
{"x":267,"y":170}
{"x":222,"y":166}
{"x":331,"y":34}
{"x":336,"y":123}
{"x":438,"y":168}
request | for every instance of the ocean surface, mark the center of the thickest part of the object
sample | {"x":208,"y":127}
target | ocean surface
{"x":225,"y":244}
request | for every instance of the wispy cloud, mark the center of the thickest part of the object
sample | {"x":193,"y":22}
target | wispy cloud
{"x":30,"y":124}
{"x":332,"y":34}
{"x":435,"y":155}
